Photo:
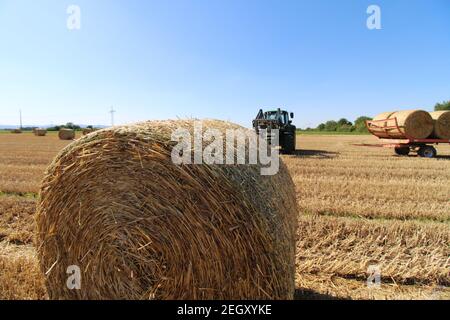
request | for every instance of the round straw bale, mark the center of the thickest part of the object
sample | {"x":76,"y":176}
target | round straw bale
{"x":380,"y":129}
{"x":87,"y":131}
{"x":66,"y":134}
{"x":416,"y":124}
{"x":16,"y":131}
{"x":40,"y":132}
{"x":140,"y":227}
{"x":441,"y":124}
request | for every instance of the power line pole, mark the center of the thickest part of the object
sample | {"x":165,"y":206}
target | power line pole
{"x":112,"y":116}
{"x":20,"y":115}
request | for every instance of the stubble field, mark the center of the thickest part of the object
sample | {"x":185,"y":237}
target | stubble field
{"x":358,"y":207}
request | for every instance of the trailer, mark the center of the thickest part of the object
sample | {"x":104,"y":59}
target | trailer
{"x":402,"y":147}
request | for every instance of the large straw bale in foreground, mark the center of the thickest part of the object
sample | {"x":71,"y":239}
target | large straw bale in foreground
{"x":140,"y":227}
{"x":66,"y":134}
{"x":441,"y":124}
{"x":416,"y":124}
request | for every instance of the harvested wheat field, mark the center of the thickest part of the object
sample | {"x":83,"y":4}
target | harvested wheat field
{"x":358,"y":206}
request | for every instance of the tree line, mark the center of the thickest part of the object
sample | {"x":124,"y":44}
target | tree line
{"x":68,"y":125}
{"x":442,"y":106}
{"x":343,"y":125}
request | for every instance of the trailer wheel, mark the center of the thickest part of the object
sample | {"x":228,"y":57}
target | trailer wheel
{"x":427,"y":152}
{"x":402,"y":151}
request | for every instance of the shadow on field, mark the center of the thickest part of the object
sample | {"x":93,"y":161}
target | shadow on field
{"x":320,"y":154}
{"x":308,"y":294}
{"x":446,"y":157}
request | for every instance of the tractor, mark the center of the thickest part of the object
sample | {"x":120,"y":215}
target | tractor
{"x":281,"y":120}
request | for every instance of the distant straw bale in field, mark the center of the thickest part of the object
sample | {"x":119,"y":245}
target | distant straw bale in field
{"x":141,"y":227}
{"x":441,"y":124}
{"x":66,"y":134}
{"x":416,"y":124}
{"x":40,"y":132}
{"x":87,"y":131}
{"x":16,"y":131}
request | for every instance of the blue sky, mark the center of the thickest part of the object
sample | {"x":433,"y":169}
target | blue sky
{"x":220,"y":59}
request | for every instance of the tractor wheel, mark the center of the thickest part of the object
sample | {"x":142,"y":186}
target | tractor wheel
{"x":427,"y":152}
{"x":288,"y":145}
{"x":402,"y":151}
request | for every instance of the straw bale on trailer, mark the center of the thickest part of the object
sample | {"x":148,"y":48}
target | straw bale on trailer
{"x":441,"y":124}
{"x":416,"y":124}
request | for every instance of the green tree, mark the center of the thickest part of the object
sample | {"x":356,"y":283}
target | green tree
{"x":54,"y":128}
{"x":345,"y":128}
{"x":321,"y":127}
{"x":71,"y":125}
{"x":360,"y":124}
{"x":442,"y":106}
{"x":331,"y":125}
{"x":344,"y":122}
{"x":343,"y":125}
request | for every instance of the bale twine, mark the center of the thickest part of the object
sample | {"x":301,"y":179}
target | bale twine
{"x":66,"y":134}
{"x":40,"y":132}
{"x":141,"y":227}
{"x":380,"y":129}
{"x":441,"y":124}
{"x":416,"y":124}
